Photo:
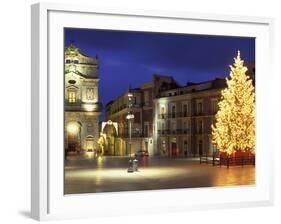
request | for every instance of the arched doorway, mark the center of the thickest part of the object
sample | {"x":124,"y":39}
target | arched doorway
{"x":110,"y":130}
{"x":109,"y":123}
{"x":73,"y":131}
{"x":111,"y":135}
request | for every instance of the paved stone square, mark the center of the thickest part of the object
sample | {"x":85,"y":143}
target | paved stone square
{"x":109,"y":174}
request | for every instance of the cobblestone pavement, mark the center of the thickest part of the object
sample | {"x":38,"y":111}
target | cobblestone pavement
{"x":109,"y":174}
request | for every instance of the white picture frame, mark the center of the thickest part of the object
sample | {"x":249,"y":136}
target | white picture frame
{"x":48,"y":201}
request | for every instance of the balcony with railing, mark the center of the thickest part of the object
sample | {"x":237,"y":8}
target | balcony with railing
{"x":173,"y":115}
{"x":173,"y":132}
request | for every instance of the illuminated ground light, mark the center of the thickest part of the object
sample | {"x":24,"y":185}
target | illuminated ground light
{"x":122,"y":173}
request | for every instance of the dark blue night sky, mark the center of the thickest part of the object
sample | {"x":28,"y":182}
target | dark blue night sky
{"x":131,"y":58}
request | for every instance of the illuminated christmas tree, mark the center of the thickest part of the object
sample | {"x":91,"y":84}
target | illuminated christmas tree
{"x":234,"y":128}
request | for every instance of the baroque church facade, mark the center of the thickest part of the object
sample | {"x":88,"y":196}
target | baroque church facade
{"x":81,"y":102}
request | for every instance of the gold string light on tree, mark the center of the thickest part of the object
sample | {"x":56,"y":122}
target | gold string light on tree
{"x":234,"y":127}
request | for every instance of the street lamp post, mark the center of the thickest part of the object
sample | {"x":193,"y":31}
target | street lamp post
{"x":130,"y":117}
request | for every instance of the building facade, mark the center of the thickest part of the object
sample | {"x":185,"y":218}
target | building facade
{"x":143,"y":123}
{"x":170,"y":120}
{"x":81,"y":102}
{"x":141,"y":136}
{"x":183,"y":118}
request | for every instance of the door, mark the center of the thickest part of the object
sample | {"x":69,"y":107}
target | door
{"x":146,"y":146}
{"x":72,"y":142}
{"x":174,"y":149}
{"x":73,"y":136}
{"x":90,"y":143}
{"x":200,"y":147}
{"x":185,"y":148}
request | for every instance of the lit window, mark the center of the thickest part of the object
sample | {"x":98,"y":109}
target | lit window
{"x":71,"y":96}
